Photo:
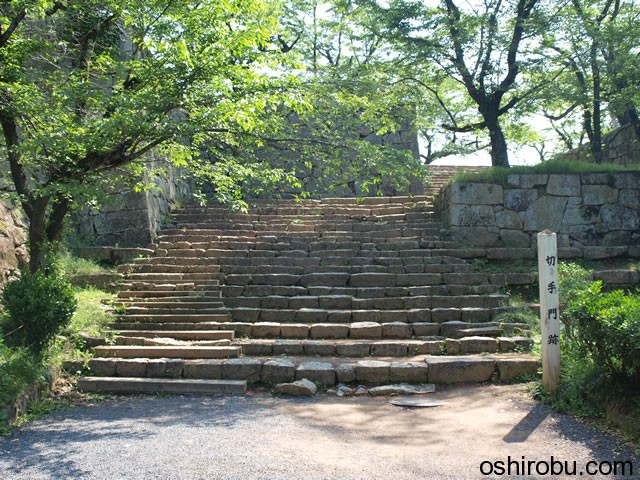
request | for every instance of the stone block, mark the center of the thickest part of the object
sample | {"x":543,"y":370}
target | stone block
{"x":445,"y":315}
{"x":209,"y":369}
{"x":245,"y":314}
{"x":475,"y":314}
{"x":460,"y":370}
{"x":617,"y":277}
{"x":164,"y":368}
{"x":396,"y":330}
{"x":424,"y":329}
{"x":248,"y":369}
{"x":288,"y":347}
{"x":318,"y":372}
{"x":389,"y":349}
{"x":510,"y":369}
{"x":353,"y":349}
{"x":345,"y":373}
{"x":367,"y":280}
{"x":564,"y":185}
{"x":527,"y":180}
{"x":241,"y":329}
{"x":310,"y":315}
{"x":275,"y":302}
{"x":419,"y":315}
{"x":471,"y":215}
{"x":515,"y":238}
{"x":103,"y":367}
{"x":365,"y":330}
{"x":517,"y":200}
{"x":431,"y":347}
{"x":256,"y":348}
{"x":329,"y":330}
{"x":409,"y":372}
{"x":476,"y":193}
{"x":305,"y":301}
{"x":335,"y":302}
{"x":599,"y":194}
{"x":618,"y":217}
{"x":452,"y":346}
{"x":545,"y":213}
{"x":478,"y":345}
{"x":301,"y":388}
{"x":279,"y":370}
{"x":373,"y":371}
{"x":294,"y":330}
{"x":319,"y":348}
{"x":331,"y":279}
{"x":265,"y":330}
{"x":131,"y":367}
{"x":338,"y":316}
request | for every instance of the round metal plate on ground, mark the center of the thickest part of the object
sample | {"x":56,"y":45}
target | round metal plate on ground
{"x":415,"y":402}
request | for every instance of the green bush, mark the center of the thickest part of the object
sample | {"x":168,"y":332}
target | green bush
{"x":606,"y":327}
{"x":19,"y":369}
{"x":37,"y":306}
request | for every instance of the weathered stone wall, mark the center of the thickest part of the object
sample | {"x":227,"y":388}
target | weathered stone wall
{"x":131,"y":219}
{"x":13,"y":237}
{"x":585,"y":210}
{"x":621,"y":147}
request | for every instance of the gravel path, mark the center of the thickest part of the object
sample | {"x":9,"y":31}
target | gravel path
{"x":259,"y":437}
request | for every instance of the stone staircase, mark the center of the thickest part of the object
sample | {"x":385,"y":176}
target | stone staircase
{"x":338,"y":290}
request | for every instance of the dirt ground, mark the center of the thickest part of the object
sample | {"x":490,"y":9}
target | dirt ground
{"x":261,"y":437}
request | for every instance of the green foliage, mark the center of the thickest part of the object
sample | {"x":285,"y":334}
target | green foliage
{"x":92,"y":314}
{"x":19,"y":369}
{"x":499,"y":175}
{"x":73,"y":265}
{"x":37,"y":306}
{"x":606,"y":327}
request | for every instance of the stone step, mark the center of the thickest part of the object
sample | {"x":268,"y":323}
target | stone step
{"x":165,"y":385}
{"x":328,"y":371}
{"x":170,"y":277}
{"x":207,"y":286}
{"x":177,"y":309}
{"x":383,"y":348}
{"x":150,"y":268}
{"x":126,"y":351}
{"x":180,"y":334}
{"x":173,"y":295}
{"x":397,"y":269}
{"x":173,"y":318}
{"x":319,"y":315}
{"x":176,"y":302}
{"x":359,"y":280}
{"x":381,"y":302}
{"x":374,"y":329}
{"x":369,"y":292}
{"x":170,"y":326}
{"x":162,"y":341}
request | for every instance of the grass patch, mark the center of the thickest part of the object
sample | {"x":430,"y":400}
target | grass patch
{"x":73,"y":265}
{"x":499,"y":175}
{"x":92,"y":314}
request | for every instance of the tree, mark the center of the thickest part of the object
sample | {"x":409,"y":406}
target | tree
{"x":88,"y":88}
{"x":592,"y":42}
{"x":481,"y":47}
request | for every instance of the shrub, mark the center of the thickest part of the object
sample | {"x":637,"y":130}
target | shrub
{"x":606,"y":326}
{"x":37,"y":306}
{"x":19,"y":369}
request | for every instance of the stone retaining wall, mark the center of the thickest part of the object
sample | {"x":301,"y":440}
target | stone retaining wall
{"x":13,"y":238}
{"x":620,"y":146}
{"x":133,"y":218}
{"x":585,"y":210}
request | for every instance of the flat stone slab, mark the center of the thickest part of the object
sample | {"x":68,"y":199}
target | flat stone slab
{"x":299,"y":388}
{"x":161,"y":385}
{"x":460,"y":370}
{"x":279,"y":370}
{"x":321,"y":372}
{"x":403,"y":389}
{"x":416,"y":402}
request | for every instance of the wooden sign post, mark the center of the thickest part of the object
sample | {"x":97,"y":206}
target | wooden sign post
{"x":549,"y":309}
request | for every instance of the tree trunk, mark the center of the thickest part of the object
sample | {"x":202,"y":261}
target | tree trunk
{"x":499,"y":153}
{"x":38,"y":234}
